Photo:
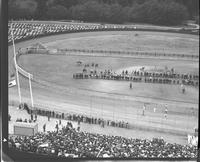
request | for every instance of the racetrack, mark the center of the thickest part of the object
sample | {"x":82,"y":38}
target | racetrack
{"x":113,"y":99}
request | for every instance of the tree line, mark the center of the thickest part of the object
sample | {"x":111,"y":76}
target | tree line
{"x":162,"y":12}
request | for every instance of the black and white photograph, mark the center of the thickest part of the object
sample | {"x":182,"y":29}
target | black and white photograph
{"x":102,"y":80}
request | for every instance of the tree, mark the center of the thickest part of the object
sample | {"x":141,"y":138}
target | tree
{"x":66,"y":3}
{"x":41,"y":9}
{"x":191,"y":5}
{"x":92,"y":10}
{"x":159,"y":12}
{"x":137,"y":13}
{"x":124,"y":2}
{"x":174,"y":13}
{"x":117,"y":14}
{"x":104,"y":13}
{"x":16,"y":12}
{"x":57,"y":12}
{"x":77,"y":12}
{"x":164,"y":12}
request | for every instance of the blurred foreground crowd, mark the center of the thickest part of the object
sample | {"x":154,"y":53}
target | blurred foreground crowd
{"x":69,"y":142}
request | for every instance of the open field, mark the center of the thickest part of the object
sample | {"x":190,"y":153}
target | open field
{"x":113,"y":99}
{"x":130,"y":41}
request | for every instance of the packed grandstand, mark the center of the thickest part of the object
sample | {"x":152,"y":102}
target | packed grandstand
{"x":30,"y":30}
{"x":71,"y":142}
{"x":68,"y":141}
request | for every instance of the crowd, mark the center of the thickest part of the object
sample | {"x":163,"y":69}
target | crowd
{"x":23,"y":30}
{"x":167,"y":77}
{"x":139,"y":76}
{"x":69,"y":142}
{"x":25,"y":120}
{"x":161,"y":75}
{"x":73,"y":117}
{"x":168,"y":74}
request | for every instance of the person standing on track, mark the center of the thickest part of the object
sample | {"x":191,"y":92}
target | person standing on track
{"x":143,"y":110}
{"x":57,"y":126}
{"x":31,"y":116}
{"x":44,"y":127}
{"x":183,"y":88}
{"x":166,"y":110}
{"x":130,"y":85}
{"x":154,"y":109}
{"x":35,"y":116}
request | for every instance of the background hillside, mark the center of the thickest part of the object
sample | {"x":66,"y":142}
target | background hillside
{"x":162,"y":12}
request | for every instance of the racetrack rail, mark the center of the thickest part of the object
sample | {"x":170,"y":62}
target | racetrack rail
{"x":127,"y":53}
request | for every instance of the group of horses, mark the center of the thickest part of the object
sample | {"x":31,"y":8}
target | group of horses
{"x":167,"y":77}
{"x":146,"y":79}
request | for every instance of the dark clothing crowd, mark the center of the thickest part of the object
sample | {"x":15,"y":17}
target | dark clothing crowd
{"x":69,"y":142}
{"x":25,"y":120}
{"x":75,"y":117}
{"x":139,"y":76}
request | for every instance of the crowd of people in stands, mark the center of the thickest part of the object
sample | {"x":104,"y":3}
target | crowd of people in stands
{"x":23,"y":30}
{"x":72,"y":143}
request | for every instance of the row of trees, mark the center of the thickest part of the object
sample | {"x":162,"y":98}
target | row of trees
{"x":164,"y":12}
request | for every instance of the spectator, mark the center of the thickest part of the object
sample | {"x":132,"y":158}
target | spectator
{"x":31,"y":116}
{"x":48,"y":117}
{"x":143,"y":109}
{"x":9,"y":117}
{"x":44,"y":128}
{"x":166,"y":110}
{"x":35,"y":117}
{"x":130,"y":85}
{"x":74,"y":143}
{"x":57,"y":126}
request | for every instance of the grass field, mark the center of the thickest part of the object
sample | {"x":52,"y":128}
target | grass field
{"x":128,"y":41}
{"x":113,"y":99}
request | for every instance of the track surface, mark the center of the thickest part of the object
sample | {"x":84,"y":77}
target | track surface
{"x":102,"y":98}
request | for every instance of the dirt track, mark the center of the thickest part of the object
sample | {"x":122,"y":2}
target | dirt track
{"x":109,"y":105}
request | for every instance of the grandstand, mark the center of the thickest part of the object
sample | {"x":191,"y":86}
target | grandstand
{"x":27,"y":30}
{"x":68,"y":140}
